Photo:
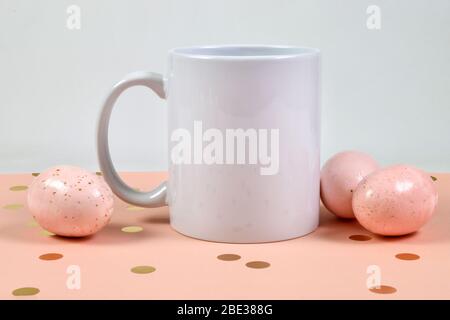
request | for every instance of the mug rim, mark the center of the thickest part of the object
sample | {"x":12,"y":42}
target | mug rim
{"x":243,"y":52}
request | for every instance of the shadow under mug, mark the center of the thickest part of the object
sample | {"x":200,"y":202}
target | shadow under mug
{"x":244,"y":136}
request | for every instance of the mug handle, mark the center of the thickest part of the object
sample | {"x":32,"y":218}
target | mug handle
{"x":151,"y":199}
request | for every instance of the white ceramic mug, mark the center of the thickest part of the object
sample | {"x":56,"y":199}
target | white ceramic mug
{"x":244,"y":135}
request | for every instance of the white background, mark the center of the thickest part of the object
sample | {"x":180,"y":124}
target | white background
{"x":386,"y":92}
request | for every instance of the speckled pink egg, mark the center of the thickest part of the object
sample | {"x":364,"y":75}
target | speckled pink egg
{"x":395,"y":201}
{"x":339,"y":178}
{"x":70,"y":201}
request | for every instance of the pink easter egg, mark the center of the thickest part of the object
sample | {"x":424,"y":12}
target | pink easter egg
{"x":70,"y":201}
{"x":395,"y":201}
{"x":339,"y":178}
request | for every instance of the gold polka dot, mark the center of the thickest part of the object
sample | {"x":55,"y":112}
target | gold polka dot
{"x":13,"y":206}
{"x":229,"y":257}
{"x":360,"y":237}
{"x":47,"y":233}
{"x":18,"y":188}
{"x":143,"y":269}
{"x":98,"y":173}
{"x":433,"y":178}
{"x":407,"y":256}
{"x":51,"y":256}
{"x":35,"y":174}
{"x":32,"y":223}
{"x":132,"y":229}
{"x":383,"y":289}
{"x":25,"y":291}
{"x":135,"y":208}
{"x":257,"y":264}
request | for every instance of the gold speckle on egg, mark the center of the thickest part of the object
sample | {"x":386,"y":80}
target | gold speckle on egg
{"x":360,"y":237}
{"x":18,"y":188}
{"x":32,"y":223}
{"x":47,"y":233}
{"x":135,"y":208}
{"x":13,"y":206}
{"x":228,"y":257}
{"x":50,"y":256}
{"x":383,"y":289}
{"x":35,"y":174}
{"x":258,"y":264}
{"x":143,"y":269}
{"x":407,"y":256}
{"x":132,"y":229}
{"x":25,"y":291}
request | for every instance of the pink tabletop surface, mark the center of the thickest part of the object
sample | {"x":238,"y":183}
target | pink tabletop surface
{"x":326,"y":264}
